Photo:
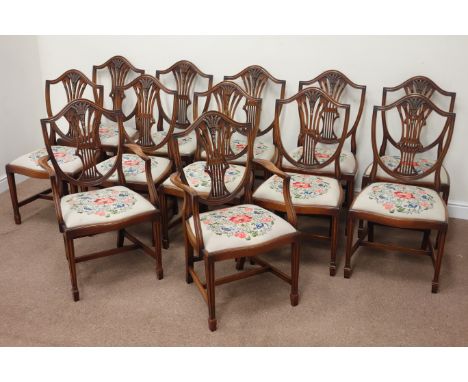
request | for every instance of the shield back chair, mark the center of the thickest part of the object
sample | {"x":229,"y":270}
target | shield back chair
{"x":147,"y":90}
{"x":101,"y":209}
{"x":74,"y":85}
{"x":342,"y":89}
{"x":186,"y":77}
{"x":428,"y":88}
{"x":228,"y":98}
{"x":312,"y":193}
{"x":403,"y":202}
{"x":121,"y":72}
{"x":257,"y":82}
{"x":239,"y":231}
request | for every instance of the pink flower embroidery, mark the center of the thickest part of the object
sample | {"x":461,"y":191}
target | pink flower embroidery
{"x":266,"y":219}
{"x":388,"y":206}
{"x":104,"y":201}
{"x":240,"y":235}
{"x":301,"y":185}
{"x":404,"y":195}
{"x":238,"y":219}
{"x":131,"y":162}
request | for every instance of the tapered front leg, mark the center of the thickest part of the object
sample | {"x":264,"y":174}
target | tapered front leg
{"x":156,"y":225}
{"x":70,"y":251}
{"x":334,"y":244}
{"x":440,"y":253}
{"x":14,"y":196}
{"x":210,"y":289}
{"x":349,"y":245}
{"x":164,"y":219}
{"x":295,"y":260}
{"x":188,"y":259}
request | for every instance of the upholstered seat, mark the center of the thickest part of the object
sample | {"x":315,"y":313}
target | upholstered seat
{"x":198,"y":179}
{"x":420,"y":165}
{"x":109,"y":135}
{"x":134,"y":168}
{"x":304,"y":189}
{"x":262,"y":149}
{"x":348,"y":163}
{"x":105,"y":205}
{"x":65,"y":156}
{"x":401,"y":201}
{"x":187,"y":143}
{"x":240,"y":226}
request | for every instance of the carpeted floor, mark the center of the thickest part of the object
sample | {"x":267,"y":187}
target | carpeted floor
{"x":387,"y":301}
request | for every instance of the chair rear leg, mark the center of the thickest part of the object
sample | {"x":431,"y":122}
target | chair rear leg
{"x":425,"y":240}
{"x":121,"y":238}
{"x":295,"y":260}
{"x":70,"y":251}
{"x":210,"y":289}
{"x":440,"y":253}
{"x":14,"y":196}
{"x":240,"y":261}
{"x":188,"y":259}
{"x":156,"y":225}
{"x":164,"y":219}
{"x":349,"y":246}
{"x":334,"y":244}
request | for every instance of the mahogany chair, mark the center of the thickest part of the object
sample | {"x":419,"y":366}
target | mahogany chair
{"x":256,"y":81}
{"x":144,"y":115}
{"x":120,"y":71}
{"x":98,"y":210}
{"x":404,"y":202}
{"x":312,"y":193}
{"x":239,"y":231}
{"x":343,"y":90}
{"x":186,"y":76}
{"x":428,"y":88}
{"x":75,"y":84}
{"x":227,"y":98}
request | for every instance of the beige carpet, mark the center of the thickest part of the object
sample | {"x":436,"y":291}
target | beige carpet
{"x":387,"y":301}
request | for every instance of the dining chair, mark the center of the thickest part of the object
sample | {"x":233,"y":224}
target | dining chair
{"x":322,"y":121}
{"x":226,"y":232}
{"x":228,"y":98}
{"x":342,"y":89}
{"x":186,"y":77}
{"x":444,"y":100}
{"x":96,"y":210}
{"x":72,"y":84}
{"x":403,"y":202}
{"x":121,"y":72}
{"x":258,"y":82}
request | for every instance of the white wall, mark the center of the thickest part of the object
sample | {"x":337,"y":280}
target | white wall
{"x":370,"y":60}
{"x":21,"y":99}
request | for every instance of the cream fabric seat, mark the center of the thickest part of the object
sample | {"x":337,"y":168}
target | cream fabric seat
{"x":401,"y":201}
{"x":305,"y":190}
{"x":240,"y":226}
{"x":134,"y":168}
{"x":262,"y":149}
{"x":348,"y":163}
{"x":199,"y":180}
{"x":420,"y":164}
{"x":109,"y":135}
{"x":101,"y":206}
{"x":187,"y":143}
{"x":65,"y":156}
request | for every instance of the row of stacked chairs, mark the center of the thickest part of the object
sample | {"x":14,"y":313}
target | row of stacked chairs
{"x":243,"y":176}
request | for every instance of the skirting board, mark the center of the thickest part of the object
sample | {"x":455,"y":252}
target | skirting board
{"x":458,"y":210}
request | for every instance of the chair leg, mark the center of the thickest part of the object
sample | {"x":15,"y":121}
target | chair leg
{"x":349,"y":246}
{"x":440,"y":253}
{"x":156,"y":225}
{"x":120,"y":238}
{"x":210,"y":289}
{"x":240,"y":263}
{"x":188,"y":259}
{"x":14,"y":196}
{"x":164,"y":220}
{"x":70,"y":251}
{"x":334,"y":244}
{"x":295,"y":260}
{"x":425,"y":240}
{"x":370,"y":231}
{"x":349,"y":192}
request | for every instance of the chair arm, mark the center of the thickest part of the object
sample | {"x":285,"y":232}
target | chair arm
{"x":290,"y":211}
{"x":44,"y":163}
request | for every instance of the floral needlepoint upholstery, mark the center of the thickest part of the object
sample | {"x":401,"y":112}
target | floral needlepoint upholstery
{"x":262,"y":149}
{"x":134,"y":168}
{"x":348,"y":164}
{"x":304,"y":190}
{"x":401,"y":201}
{"x":102,"y":206}
{"x":420,"y":165}
{"x":199,"y":179}
{"x":240,"y":226}
{"x":187,"y":143}
{"x":109,"y":135}
{"x":65,"y":156}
